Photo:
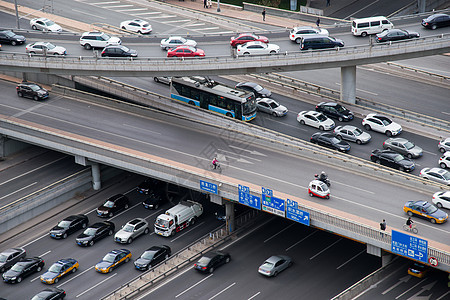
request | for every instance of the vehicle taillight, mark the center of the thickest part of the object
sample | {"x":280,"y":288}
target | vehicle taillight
{"x":384,"y":143}
{"x":203,"y":268}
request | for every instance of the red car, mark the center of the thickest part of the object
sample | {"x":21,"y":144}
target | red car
{"x":185,"y":51}
{"x":247,"y":37}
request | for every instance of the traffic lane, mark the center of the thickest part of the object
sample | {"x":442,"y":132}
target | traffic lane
{"x":52,"y":250}
{"x":189,"y":151}
{"x":318,"y":257}
{"x":24,"y":179}
{"x":362,"y":9}
{"x":398,"y":284}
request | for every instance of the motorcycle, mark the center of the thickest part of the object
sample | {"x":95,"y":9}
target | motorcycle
{"x":324,"y":180}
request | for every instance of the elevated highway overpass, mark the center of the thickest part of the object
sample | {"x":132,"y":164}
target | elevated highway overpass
{"x":177,"y":150}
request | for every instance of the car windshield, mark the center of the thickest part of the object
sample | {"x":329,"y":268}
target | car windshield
{"x":148,"y":254}
{"x":162,"y":223}
{"x":321,"y":117}
{"x":64,"y":224}
{"x":17,"y":268}
{"x":56,"y":268}
{"x":49,"y":23}
{"x":90,"y":231}
{"x":105,"y":37}
{"x":258,"y":88}
{"x":35,"y":87}
{"x":108,"y":204}
{"x":340,"y":108}
{"x":446,"y":175}
{"x":109,"y":258}
{"x":125,"y":49}
{"x":431,"y":209}
{"x":357,"y":132}
{"x":386,"y":122}
{"x":9,"y":34}
{"x":183,"y":40}
{"x":3,"y":258}
{"x":398,"y":158}
{"x":250,"y":105}
{"x":50,"y":46}
{"x":274,"y":104}
{"x":335,"y":140}
{"x":128,"y":228}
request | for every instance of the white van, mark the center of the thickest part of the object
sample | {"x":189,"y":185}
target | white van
{"x":370,"y":25}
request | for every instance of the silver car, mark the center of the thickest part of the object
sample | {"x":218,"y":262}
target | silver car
{"x":444,"y":145}
{"x":436,"y":174}
{"x":131,"y":230}
{"x":163,"y":79}
{"x":271,"y":106}
{"x":403,"y":146}
{"x":45,"y":48}
{"x":274,"y":265}
{"x":352,"y":134}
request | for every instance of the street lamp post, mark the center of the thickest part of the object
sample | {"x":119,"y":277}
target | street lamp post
{"x":17,"y":14}
{"x":218,"y":5}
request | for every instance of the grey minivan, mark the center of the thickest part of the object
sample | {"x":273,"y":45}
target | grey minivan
{"x":320,"y":42}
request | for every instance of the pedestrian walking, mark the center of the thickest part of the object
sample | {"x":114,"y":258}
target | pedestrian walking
{"x":383,"y":227}
{"x":209,"y":4}
{"x":318,"y":22}
{"x":328,"y":3}
{"x":204,"y":4}
{"x":264,"y":14}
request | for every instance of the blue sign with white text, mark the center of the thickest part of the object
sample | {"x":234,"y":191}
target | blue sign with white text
{"x":267,"y":192}
{"x":409,"y":246}
{"x":208,"y":186}
{"x":243,"y":188}
{"x":249,"y":200}
{"x":295,"y":214}
{"x":273,"y":205}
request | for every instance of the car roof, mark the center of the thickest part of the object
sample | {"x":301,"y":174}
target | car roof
{"x":73,"y":217}
{"x":247,"y":83}
{"x":348,"y":127}
{"x":437,"y":170}
{"x":398,"y":140}
{"x":329,"y":104}
{"x":243,"y":34}
{"x":303,"y":27}
{"x":12,"y":250}
{"x":136,"y":221}
{"x":42,"y":19}
{"x":118,"y":251}
{"x":254,"y":43}
{"x":267,"y":100}
{"x":92,"y":33}
{"x":98,"y":225}
{"x":274,"y":258}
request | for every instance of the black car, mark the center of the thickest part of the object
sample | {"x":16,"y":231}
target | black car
{"x":258,"y":90}
{"x":31,"y":90}
{"x":118,"y":51}
{"x":211,"y":260}
{"x":396,"y":35}
{"x":10,"y":256}
{"x":148,"y":186}
{"x":153,"y":201}
{"x":95,"y":232}
{"x":9,"y":37}
{"x":335,"y":110}
{"x":320,"y":42}
{"x":152,"y":256}
{"x":23,"y":269}
{"x":113,"y":205}
{"x":330,"y":140}
{"x":68,"y":226}
{"x":392,"y":159}
{"x":50,"y":294}
{"x":436,"y":21}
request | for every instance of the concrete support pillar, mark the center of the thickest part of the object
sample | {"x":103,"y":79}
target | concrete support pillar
{"x":2,"y":146}
{"x":96,"y":180}
{"x":229,"y":211}
{"x":348,"y":84}
{"x":421,"y":4}
{"x":386,"y":258}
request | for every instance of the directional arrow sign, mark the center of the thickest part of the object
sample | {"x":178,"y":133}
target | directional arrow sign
{"x":296,"y":214}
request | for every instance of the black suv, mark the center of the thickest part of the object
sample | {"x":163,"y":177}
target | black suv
{"x":113,"y":205}
{"x":9,"y":37}
{"x":31,"y":90}
{"x":118,"y":51}
{"x":334,"y":110}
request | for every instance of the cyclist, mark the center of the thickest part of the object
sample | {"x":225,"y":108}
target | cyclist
{"x":215,"y":162}
{"x":409,"y":222}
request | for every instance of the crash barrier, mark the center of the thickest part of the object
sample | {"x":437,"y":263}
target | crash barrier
{"x":443,"y":78}
{"x":408,"y":115}
{"x":180,"y":260}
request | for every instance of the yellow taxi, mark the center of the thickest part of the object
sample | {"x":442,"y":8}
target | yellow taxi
{"x":112,"y":260}
{"x":425,"y":210}
{"x":60,"y":269}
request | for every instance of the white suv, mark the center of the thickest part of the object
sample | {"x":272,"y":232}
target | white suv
{"x":298,"y":33}
{"x":444,"y":160}
{"x":97,"y":39}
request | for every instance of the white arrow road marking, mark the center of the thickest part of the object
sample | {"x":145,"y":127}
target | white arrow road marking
{"x":254,"y":152}
{"x":399,"y":296}
{"x":427,"y":287}
{"x":401,"y":280}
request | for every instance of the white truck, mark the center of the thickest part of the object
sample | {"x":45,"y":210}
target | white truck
{"x":178,"y":217}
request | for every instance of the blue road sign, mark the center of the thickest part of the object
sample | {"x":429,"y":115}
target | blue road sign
{"x":267,"y":192}
{"x":243,"y":188}
{"x":208,"y":186}
{"x":273,"y":205}
{"x":295,"y":214}
{"x":249,"y":200}
{"x":409,"y":246}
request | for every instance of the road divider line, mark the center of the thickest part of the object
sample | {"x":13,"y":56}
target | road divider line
{"x":222,"y":291}
{"x":325,"y":249}
{"x":420,"y":282}
{"x":289,"y":248}
{"x":75,"y":277}
{"x":81,"y":294}
{"x":351,"y":259}
{"x":268,"y":239}
{"x":45,"y":253}
{"x":194,"y":285}
{"x":25,"y":187}
{"x":254,"y":296}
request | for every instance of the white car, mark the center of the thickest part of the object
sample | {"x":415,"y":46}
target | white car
{"x":381,"y":124}
{"x":442,"y":199}
{"x":444,"y":160}
{"x":436,"y":174}
{"x":96,"y":39}
{"x":44,"y":24}
{"x":315,"y":119}
{"x":139,"y":26}
{"x":131,"y":230}
{"x":257,"y":48}
{"x":298,"y":33}
{"x":352,"y":134}
{"x":45,"y":48}
{"x":174,"y":41}
{"x":271,"y":106}
{"x":444,"y":145}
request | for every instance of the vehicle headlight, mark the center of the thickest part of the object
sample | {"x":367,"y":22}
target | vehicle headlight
{"x":13,"y":278}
